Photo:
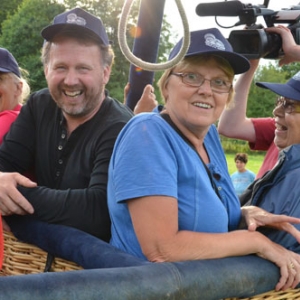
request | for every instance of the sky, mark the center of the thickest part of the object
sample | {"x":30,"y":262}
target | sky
{"x":196,"y":22}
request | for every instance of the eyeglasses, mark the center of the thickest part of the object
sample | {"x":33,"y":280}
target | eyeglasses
{"x":288,"y":105}
{"x":217,"y":85}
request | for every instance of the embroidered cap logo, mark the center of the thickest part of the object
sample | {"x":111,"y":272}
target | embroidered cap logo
{"x":74,"y":19}
{"x":212,"y":41}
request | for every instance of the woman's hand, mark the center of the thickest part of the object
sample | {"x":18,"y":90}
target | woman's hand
{"x":288,"y":263}
{"x":255,"y":217}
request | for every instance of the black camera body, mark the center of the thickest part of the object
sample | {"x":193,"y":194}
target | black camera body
{"x":254,"y":42}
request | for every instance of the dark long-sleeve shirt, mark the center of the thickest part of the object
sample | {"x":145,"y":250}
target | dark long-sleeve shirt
{"x":71,"y":173}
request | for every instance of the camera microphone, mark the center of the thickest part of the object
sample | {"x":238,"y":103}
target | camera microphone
{"x":225,"y":9}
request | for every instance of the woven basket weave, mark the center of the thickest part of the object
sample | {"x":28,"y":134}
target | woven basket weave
{"x":291,"y":294}
{"x":22,"y":258}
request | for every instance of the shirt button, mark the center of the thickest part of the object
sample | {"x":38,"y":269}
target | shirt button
{"x":60,"y":161}
{"x":63,"y":136}
{"x":60,"y":147}
{"x":57,"y":174}
{"x":219,"y":188}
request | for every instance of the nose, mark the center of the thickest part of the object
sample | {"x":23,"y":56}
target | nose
{"x":71,"y":77}
{"x":205,"y":87}
{"x":278,"y":111}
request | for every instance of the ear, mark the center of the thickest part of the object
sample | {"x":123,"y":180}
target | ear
{"x":106,"y":74}
{"x":165,"y":92}
{"x":46,"y":70}
{"x":19,"y":88}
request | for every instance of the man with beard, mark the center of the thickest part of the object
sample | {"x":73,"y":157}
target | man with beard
{"x":66,"y":132}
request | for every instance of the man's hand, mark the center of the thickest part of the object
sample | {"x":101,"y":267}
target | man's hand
{"x":11,"y":200}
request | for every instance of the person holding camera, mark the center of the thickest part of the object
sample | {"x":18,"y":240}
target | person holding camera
{"x":259,"y":132}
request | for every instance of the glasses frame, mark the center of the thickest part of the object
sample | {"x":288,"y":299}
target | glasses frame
{"x":183,"y":76}
{"x":290,"y":106}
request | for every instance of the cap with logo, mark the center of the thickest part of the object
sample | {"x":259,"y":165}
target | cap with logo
{"x":8,"y":63}
{"x":211,"y":41}
{"x":290,"y":90}
{"x":76,"y":19}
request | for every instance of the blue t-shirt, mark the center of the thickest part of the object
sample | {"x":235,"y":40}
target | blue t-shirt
{"x":242,"y":180}
{"x":150,"y":158}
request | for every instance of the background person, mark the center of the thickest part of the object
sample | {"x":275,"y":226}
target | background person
{"x":242,"y":177}
{"x":66,"y":132}
{"x":13,"y":91}
{"x":169,"y":192}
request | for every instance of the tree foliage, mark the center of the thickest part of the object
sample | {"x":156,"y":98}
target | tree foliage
{"x":8,"y":8}
{"x":261,"y":101}
{"x":21,"y":36}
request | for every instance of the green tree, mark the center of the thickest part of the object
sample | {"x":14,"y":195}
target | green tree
{"x":261,"y":101}
{"x":291,"y":70}
{"x":21,"y":35}
{"x":8,"y":7}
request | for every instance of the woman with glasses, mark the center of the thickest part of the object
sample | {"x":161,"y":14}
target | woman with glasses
{"x":169,"y":192}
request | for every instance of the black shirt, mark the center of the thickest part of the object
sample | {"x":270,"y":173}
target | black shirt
{"x":71,"y":173}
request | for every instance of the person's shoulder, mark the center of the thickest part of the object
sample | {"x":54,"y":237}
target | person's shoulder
{"x":148,"y":117}
{"x":40,"y":103}
{"x":147,"y":120}
{"x":234,"y":174}
{"x":9,"y":114}
{"x":251,"y":172}
{"x":41,"y":93}
{"x":114,"y":106}
{"x":41,"y":96}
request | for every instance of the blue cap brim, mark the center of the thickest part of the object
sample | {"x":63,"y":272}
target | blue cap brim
{"x":286,"y":90}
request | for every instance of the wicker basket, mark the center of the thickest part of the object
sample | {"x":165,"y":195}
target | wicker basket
{"x":22,"y":258}
{"x":291,"y":294}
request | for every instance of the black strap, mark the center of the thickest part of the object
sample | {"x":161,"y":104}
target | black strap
{"x":167,"y":118}
{"x":49,"y":262}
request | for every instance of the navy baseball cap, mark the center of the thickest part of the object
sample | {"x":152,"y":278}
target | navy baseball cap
{"x":8,"y":63}
{"x":77,"y":19}
{"x":211,"y":41}
{"x":290,"y":90}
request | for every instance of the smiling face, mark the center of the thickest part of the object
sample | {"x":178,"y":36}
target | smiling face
{"x":194,"y":109}
{"x":76,"y":77}
{"x":287,"y":130}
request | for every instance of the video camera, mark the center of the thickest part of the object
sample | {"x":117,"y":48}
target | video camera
{"x":254,"y":42}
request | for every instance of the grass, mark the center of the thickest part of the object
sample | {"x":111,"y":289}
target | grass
{"x":254,"y":162}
